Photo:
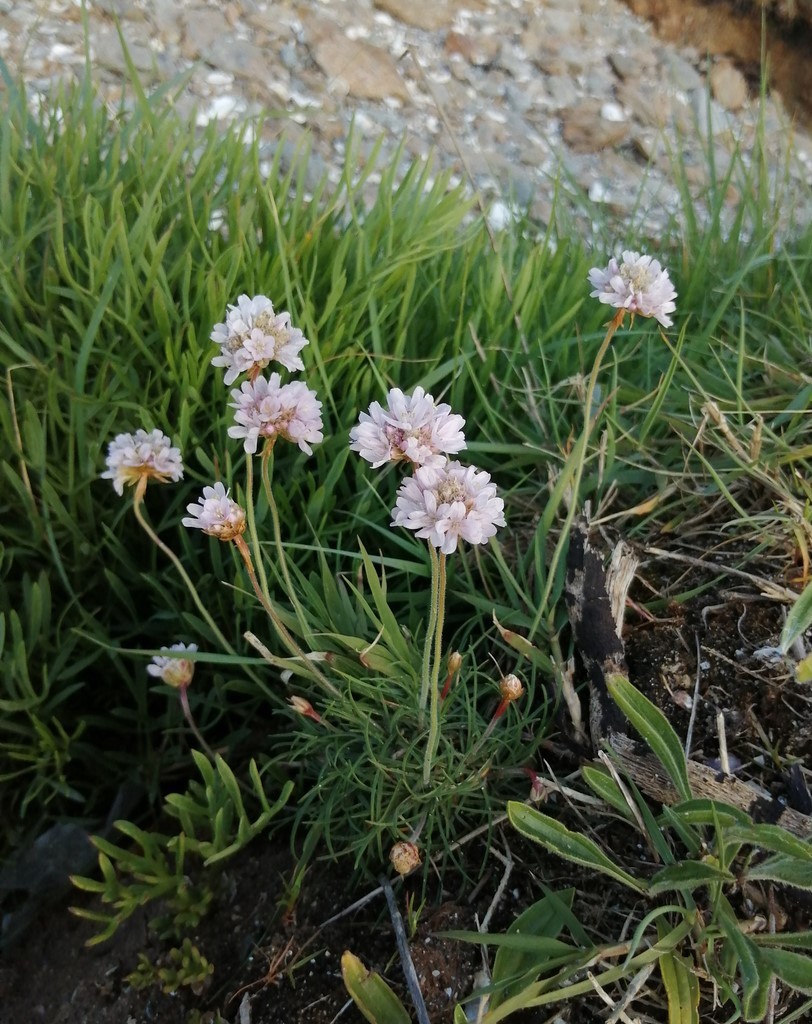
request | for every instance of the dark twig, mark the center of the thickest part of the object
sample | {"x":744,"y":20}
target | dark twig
{"x":405,"y":956}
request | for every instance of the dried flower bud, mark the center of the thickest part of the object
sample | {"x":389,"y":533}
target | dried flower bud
{"x":304,"y":707}
{"x":511,"y":688}
{"x":404,"y":857}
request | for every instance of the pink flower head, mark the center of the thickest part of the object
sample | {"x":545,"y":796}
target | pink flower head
{"x":448,"y":503}
{"x":410,"y":428}
{"x":268,"y":409}
{"x":216,"y":514}
{"x":638,"y":284}
{"x":253,"y":336}
{"x":142,"y":456}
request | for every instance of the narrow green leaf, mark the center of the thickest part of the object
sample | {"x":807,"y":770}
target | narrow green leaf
{"x":542,"y":946}
{"x":799,"y":619}
{"x":655,"y":729}
{"x":569,"y":845}
{"x":681,"y":989}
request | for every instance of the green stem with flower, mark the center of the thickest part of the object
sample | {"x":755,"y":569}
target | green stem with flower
{"x":282,"y":631}
{"x":439,"y":561}
{"x":170,"y":554}
{"x":425,"y":674}
{"x":267,"y":472}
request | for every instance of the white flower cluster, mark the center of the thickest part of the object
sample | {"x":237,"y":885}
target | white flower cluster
{"x":449,"y":503}
{"x":133,"y":457}
{"x":253,"y":336}
{"x":411,"y":428}
{"x":443,"y":502}
{"x":269,"y":409}
{"x":637,"y":284}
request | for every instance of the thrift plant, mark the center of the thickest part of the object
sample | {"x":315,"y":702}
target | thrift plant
{"x":441,"y":500}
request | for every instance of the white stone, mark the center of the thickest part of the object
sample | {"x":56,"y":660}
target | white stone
{"x":613,"y":112}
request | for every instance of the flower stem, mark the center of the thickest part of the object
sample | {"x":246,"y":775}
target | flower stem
{"x":187,"y":714}
{"x":434,"y":708}
{"x":280,"y":627}
{"x":573,"y":470}
{"x":425,"y":675}
{"x":267,"y":469}
{"x":252,"y":525}
{"x":173,"y":558}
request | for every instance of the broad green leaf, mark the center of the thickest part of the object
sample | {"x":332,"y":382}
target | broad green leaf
{"x":793,"y":940}
{"x":569,"y":845}
{"x":794,"y":969}
{"x":655,"y":729}
{"x":370,"y":993}
{"x":602,"y":783}
{"x":687,"y":876}
{"x":541,"y":919}
{"x":550,"y":990}
{"x":701,"y":811}
{"x":751,"y":965}
{"x":788,"y":870}
{"x":772,"y":837}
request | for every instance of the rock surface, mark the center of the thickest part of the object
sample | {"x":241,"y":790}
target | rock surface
{"x":524,"y":95}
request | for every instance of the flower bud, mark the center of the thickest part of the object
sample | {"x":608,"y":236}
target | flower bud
{"x":510,"y":687}
{"x":404,"y":857}
{"x":454,"y":663}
